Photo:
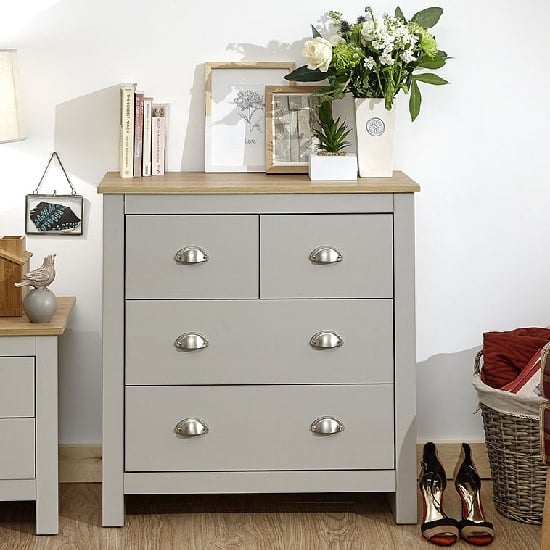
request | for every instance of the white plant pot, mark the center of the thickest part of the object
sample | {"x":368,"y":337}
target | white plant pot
{"x":375,"y":127}
{"x":333,"y":167}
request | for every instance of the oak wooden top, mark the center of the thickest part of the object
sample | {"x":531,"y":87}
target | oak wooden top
{"x":201,"y":183}
{"x":21,"y":326}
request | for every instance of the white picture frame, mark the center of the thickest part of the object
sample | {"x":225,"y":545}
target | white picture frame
{"x":235,"y":113}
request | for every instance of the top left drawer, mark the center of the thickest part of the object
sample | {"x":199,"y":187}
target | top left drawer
{"x":192,"y":256}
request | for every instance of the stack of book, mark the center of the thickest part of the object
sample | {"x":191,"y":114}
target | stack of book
{"x":143,"y":127}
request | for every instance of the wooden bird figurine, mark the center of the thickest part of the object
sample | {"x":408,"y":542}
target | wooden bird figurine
{"x":42,"y":276}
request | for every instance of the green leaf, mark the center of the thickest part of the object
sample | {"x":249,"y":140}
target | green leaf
{"x":430,"y":78}
{"x":315,"y":33}
{"x":415,"y":100}
{"x":399,"y":14}
{"x":432,"y":62}
{"x":303,"y":74}
{"x":428,"y":17}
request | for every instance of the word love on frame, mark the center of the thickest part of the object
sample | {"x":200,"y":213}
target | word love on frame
{"x":235,"y":113}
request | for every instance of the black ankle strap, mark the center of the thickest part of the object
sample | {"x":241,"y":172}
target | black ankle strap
{"x":443,"y":522}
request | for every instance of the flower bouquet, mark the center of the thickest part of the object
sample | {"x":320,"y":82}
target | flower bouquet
{"x":376,"y":57}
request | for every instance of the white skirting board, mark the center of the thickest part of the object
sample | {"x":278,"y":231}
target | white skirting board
{"x":82,"y":463}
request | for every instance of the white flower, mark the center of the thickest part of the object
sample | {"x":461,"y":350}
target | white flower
{"x":386,"y":59}
{"x":367,"y":30}
{"x":369,"y":63}
{"x":336,"y":39}
{"x":408,"y":56}
{"x":318,"y":53}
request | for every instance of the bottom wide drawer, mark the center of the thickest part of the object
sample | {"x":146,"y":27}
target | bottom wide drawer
{"x":199,"y":428}
{"x":17,"y":444}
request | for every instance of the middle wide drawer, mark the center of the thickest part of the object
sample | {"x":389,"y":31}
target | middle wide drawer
{"x":259,"y":342}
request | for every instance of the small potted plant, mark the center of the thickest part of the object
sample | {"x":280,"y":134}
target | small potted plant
{"x":330,"y":161}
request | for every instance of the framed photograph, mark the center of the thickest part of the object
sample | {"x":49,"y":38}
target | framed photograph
{"x":53,"y":214}
{"x":235,"y":113}
{"x":290,"y":117}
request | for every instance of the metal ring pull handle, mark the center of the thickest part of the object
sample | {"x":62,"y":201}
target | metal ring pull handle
{"x":324,"y":255}
{"x":327,"y":425}
{"x":191,"y":341}
{"x":191,"y":427}
{"x":191,"y":255}
{"x":326,"y":339}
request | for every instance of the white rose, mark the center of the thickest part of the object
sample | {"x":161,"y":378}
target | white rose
{"x":318,"y":52}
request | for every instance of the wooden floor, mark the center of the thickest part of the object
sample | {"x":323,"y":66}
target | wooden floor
{"x":286,"y":522}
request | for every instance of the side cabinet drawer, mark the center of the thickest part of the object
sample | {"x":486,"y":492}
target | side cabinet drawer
{"x":259,"y":428}
{"x":17,"y":443}
{"x":227,"y":243}
{"x":363,"y":269}
{"x":16,"y":387}
{"x":259,"y":342}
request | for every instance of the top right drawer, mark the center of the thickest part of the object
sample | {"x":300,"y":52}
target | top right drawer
{"x":326,"y":256}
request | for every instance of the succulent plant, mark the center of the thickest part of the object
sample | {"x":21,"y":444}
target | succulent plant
{"x":331,"y":133}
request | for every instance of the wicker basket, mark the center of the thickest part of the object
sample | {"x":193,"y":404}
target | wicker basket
{"x":512,"y":437}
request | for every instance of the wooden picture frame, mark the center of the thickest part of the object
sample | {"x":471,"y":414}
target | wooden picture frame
{"x":235,"y":113}
{"x":53,"y":214}
{"x":290,"y":116}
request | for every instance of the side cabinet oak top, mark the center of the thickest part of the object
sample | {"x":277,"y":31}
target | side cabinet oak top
{"x":200,"y":183}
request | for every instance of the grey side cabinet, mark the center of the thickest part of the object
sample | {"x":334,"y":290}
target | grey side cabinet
{"x":258,"y":336}
{"x":28,"y":413}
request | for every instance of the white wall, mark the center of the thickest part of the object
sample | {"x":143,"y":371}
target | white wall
{"x":479,"y":150}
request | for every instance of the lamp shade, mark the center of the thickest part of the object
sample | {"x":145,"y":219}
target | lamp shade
{"x":11,"y":120}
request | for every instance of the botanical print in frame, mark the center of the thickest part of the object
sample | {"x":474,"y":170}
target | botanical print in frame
{"x":53,"y":214}
{"x":235,"y":113}
{"x":291,"y":115}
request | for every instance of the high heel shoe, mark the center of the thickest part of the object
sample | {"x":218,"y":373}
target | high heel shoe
{"x":436,"y":526}
{"x":474,"y":528}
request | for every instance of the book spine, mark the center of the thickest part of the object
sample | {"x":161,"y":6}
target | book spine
{"x":127,"y":92}
{"x":147,"y":135}
{"x":138,"y":133}
{"x":159,"y":139}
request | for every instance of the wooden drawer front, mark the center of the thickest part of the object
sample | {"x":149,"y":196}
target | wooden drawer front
{"x":231,"y":243}
{"x":17,"y":444}
{"x":259,"y":428}
{"x":16,"y":386}
{"x":259,"y":342}
{"x":364,"y":241}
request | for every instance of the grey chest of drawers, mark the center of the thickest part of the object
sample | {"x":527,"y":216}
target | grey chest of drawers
{"x":28,"y":413}
{"x":258,"y":336}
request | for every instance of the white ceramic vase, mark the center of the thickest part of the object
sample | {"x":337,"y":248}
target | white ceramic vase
{"x":375,"y":127}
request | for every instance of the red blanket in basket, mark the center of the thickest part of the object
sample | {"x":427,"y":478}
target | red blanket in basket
{"x":505,"y":354}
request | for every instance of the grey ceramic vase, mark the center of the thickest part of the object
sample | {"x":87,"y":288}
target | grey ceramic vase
{"x":40,"y":305}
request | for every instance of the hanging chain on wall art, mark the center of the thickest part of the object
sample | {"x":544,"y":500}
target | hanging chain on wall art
{"x":53,"y":214}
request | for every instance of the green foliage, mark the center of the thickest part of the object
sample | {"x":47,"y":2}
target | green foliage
{"x":414,"y":100}
{"x":427,"y":18}
{"x":331,"y":133}
{"x":399,"y":14}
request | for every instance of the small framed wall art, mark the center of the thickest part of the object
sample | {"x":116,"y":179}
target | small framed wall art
{"x":291,"y":116}
{"x":235,"y":113}
{"x":53,"y":214}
